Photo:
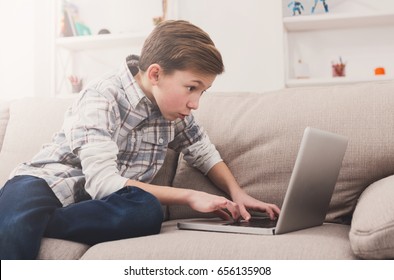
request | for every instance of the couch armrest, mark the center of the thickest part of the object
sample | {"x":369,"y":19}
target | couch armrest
{"x":4,"y":116}
{"x":372,"y":229}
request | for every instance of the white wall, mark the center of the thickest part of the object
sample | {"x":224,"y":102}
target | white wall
{"x":249,"y":35}
{"x":17,"y":48}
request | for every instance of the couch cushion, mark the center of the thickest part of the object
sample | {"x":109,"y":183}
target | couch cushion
{"x":258,"y":136}
{"x":56,"y":249}
{"x":329,"y":241}
{"x":33,"y":121}
{"x":372,"y":232}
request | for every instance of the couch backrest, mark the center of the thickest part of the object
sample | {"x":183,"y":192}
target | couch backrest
{"x":258,"y":136}
{"x":32,"y":123}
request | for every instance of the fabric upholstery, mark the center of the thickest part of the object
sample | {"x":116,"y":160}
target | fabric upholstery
{"x":258,"y":136}
{"x":56,"y":249}
{"x":32,"y":123}
{"x":4,"y":115}
{"x":171,"y":243}
{"x":372,"y":231}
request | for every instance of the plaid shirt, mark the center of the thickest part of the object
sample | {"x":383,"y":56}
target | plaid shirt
{"x":113,"y":133}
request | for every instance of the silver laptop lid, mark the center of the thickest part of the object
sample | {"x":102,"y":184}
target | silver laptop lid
{"x":313,"y":179}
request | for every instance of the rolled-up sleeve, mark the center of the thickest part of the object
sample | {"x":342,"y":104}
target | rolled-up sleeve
{"x":98,"y":162}
{"x":192,"y":140}
{"x":89,"y":128}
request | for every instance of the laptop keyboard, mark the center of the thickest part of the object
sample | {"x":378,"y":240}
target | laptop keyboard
{"x":255,"y":222}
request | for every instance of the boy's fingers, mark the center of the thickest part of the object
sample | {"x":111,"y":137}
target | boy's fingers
{"x":273,"y":211}
{"x":244,"y":213}
{"x":233,"y":208}
{"x":230,"y":206}
{"x":223,"y":214}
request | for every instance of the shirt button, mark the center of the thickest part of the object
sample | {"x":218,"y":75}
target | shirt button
{"x":161,"y":140}
{"x":133,"y":140}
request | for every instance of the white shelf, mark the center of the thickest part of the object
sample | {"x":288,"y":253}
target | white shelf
{"x":365,"y":42}
{"x":334,"y":81}
{"x":79,"y":43}
{"x":337,"y":21}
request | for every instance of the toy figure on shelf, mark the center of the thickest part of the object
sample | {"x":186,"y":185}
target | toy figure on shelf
{"x":324,"y":5}
{"x":76,"y":83}
{"x":296,"y":6}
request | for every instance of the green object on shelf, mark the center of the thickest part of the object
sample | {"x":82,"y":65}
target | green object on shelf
{"x":82,"y":29}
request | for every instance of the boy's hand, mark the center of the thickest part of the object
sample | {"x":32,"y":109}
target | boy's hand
{"x":221,"y":175}
{"x":245,"y":201}
{"x":205,"y":203}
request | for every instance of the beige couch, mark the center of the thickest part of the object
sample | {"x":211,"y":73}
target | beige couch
{"x":258,"y":136}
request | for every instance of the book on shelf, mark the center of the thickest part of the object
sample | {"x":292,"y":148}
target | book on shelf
{"x":69,"y":24}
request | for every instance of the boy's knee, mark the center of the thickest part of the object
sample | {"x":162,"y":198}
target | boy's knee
{"x":144,"y":215}
{"x":152,"y":212}
{"x":14,"y":244}
{"x":156,"y":216}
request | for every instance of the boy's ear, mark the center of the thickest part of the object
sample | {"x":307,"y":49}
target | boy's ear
{"x":154,"y":70}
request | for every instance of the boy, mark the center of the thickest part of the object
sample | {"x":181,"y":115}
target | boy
{"x":91,"y":184}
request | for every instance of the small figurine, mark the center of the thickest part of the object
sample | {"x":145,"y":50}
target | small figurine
{"x":76,"y":83}
{"x":296,"y":6}
{"x":324,"y":5}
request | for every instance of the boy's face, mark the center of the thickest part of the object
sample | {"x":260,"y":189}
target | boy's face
{"x":178,"y":93}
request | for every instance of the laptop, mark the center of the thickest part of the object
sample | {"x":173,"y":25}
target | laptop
{"x":308,"y":195}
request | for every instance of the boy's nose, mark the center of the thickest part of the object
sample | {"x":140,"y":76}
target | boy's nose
{"x":193,"y":103}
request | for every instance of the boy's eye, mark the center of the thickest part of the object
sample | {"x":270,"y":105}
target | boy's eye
{"x":193,"y":88}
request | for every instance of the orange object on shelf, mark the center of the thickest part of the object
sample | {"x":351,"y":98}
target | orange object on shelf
{"x":380,"y":71}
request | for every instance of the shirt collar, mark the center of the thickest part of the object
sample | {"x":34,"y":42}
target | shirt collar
{"x":133,"y":91}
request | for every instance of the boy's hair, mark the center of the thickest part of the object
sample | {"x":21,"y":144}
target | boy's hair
{"x":180,"y":45}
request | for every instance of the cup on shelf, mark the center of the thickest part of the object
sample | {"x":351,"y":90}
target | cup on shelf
{"x":338,"y":68}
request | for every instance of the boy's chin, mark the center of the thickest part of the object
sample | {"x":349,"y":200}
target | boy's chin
{"x":170,"y":117}
{"x":173,"y":117}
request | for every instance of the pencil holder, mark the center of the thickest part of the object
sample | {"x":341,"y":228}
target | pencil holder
{"x":339,"y":70}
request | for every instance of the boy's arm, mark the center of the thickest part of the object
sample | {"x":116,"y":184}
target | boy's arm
{"x":222,"y":177}
{"x":199,"y":201}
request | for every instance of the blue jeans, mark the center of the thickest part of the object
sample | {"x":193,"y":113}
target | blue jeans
{"x":29,"y":210}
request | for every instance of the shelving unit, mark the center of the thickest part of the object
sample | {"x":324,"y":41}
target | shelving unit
{"x":90,"y":56}
{"x":91,"y":42}
{"x":363,"y":39}
{"x":333,"y":81}
{"x":337,"y":21}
